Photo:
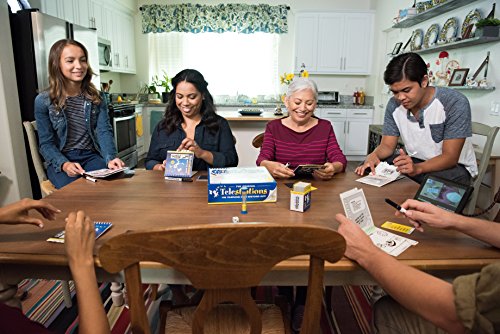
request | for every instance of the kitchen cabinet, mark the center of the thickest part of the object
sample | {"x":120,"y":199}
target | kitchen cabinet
{"x":334,"y":42}
{"x":123,"y":43}
{"x":150,"y":118}
{"x":351,"y":128}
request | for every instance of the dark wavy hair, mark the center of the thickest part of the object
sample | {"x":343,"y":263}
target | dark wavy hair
{"x":173,"y":116}
{"x":57,"y":79}
{"x":409,"y":66}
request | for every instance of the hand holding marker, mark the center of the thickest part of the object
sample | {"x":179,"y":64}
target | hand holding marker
{"x":402,"y":210}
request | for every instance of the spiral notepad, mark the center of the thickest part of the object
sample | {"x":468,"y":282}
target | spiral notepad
{"x":100,"y":228}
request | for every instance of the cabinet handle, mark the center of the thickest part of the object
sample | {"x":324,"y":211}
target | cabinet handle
{"x":344,"y":127}
{"x":360,"y":113}
{"x":347,"y":126}
{"x":334,"y":113}
{"x":344,"y":63}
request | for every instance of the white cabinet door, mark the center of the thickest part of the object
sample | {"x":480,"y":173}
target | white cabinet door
{"x":330,"y":38}
{"x":357,"y":48}
{"x":334,"y":42}
{"x":306,"y":41}
{"x":356,"y":139}
{"x":83,"y":13}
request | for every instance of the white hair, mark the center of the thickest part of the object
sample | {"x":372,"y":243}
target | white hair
{"x":302,"y":83}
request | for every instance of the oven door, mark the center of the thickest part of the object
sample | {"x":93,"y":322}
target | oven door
{"x":125,"y":135}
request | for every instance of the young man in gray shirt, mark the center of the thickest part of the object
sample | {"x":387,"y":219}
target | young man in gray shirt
{"x":433,"y":122}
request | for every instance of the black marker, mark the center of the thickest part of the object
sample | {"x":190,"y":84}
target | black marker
{"x":395,"y":205}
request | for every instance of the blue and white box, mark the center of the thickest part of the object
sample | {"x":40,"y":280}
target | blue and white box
{"x":224,"y":185}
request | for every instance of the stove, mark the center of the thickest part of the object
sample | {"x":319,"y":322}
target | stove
{"x":122,"y":117}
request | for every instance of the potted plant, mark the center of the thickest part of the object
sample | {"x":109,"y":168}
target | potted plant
{"x":164,"y":82}
{"x":488,"y":27}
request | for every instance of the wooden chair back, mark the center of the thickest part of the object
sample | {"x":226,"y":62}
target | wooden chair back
{"x":483,"y":158}
{"x":225,"y":260}
{"x":45,"y":185}
{"x":258,"y":140}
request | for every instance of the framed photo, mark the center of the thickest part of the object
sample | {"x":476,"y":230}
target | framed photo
{"x":458,"y":77}
{"x":397,"y":48}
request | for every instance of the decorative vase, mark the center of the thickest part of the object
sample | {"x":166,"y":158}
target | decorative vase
{"x":164,"y":97}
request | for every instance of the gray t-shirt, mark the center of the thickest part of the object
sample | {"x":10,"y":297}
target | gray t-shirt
{"x":447,"y":116}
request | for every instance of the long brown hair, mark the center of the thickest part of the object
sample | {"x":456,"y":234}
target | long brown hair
{"x":56,"y":78}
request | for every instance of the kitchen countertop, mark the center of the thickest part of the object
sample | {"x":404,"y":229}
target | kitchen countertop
{"x":271,"y":106}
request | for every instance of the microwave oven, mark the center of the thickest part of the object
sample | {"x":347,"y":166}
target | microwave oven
{"x":104,"y":49}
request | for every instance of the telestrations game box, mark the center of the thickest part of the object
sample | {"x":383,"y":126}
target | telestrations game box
{"x":224,"y":185}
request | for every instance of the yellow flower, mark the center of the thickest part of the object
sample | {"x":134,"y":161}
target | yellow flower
{"x":286,"y":78}
{"x":304,"y":74}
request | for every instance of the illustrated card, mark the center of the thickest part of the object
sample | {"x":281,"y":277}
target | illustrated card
{"x":100,"y":228}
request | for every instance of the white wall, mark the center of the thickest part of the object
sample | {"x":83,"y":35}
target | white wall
{"x":469,"y":57}
{"x":344,"y":84}
{"x":14,"y":180}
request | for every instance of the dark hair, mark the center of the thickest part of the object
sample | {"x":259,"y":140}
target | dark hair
{"x":57,"y":79}
{"x":173,"y":116}
{"x":407,"y":66}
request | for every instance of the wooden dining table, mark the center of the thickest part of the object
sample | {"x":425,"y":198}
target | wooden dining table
{"x":146,"y":201}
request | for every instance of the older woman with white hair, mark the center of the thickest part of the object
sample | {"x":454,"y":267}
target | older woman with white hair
{"x":301,"y":138}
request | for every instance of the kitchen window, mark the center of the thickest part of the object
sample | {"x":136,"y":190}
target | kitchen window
{"x":231,"y":63}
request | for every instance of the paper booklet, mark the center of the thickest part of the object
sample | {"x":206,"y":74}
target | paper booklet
{"x":356,"y":209}
{"x":103,"y":173}
{"x":179,"y":164}
{"x":100,"y":228}
{"x":384,"y":173}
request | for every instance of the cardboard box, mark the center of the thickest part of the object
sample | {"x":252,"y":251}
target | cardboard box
{"x":224,"y":185}
{"x":300,"y":196}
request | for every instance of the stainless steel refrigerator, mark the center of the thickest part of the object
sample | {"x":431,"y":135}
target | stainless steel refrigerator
{"x":33,"y":34}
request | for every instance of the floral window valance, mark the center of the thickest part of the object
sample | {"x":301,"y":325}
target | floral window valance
{"x":196,"y":18}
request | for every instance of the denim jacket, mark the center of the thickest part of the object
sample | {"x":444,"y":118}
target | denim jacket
{"x":52,"y":130}
{"x":220,"y":144}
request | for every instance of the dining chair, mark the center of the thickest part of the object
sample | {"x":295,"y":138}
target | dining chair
{"x":483,"y":158}
{"x":46,"y":186}
{"x":258,"y":140}
{"x":226,"y":261}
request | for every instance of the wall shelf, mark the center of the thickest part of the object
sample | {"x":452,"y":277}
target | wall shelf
{"x":433,"y":12}
{"x":459,"y":44}
{"x":472,"y":88}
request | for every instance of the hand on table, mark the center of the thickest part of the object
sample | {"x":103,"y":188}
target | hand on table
{"x":371,"y":162}
{"x":73,"y":169}
{"x":116,"y":163}
{"x":325,"y":173}
{"x":79,"y":239}
{"x":278,"y":170}
{"x":160,"y":166}
{"x":18,"y":212}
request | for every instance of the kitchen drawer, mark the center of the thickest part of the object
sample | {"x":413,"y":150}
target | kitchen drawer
{"x":359,"y":113}
{"x":329,"y":113}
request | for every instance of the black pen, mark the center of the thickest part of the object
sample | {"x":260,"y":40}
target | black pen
{"x":397,"y":206}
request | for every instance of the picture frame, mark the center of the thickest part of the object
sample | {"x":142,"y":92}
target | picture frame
{"x":458,"y":77}
{"x":397,"y":48}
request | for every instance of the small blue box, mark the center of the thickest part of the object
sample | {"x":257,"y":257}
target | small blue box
{"x":224,"y":185}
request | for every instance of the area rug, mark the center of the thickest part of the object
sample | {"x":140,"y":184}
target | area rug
{"x":350,"y":308}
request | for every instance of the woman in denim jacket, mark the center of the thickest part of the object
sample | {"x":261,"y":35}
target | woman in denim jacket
{"x":74,"y":130}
